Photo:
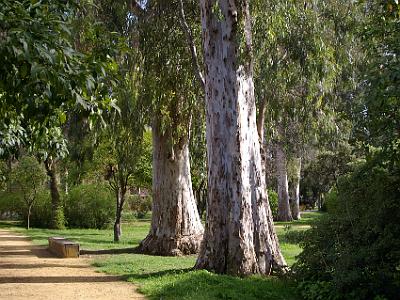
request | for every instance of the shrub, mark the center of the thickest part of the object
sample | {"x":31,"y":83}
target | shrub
{"x":41,"y":212}
{"x":273,"y":202}
{"x":139,"y":205}
{"x":89,"y":206}
{"x":10,"y":205}
{"x":354,"y":251}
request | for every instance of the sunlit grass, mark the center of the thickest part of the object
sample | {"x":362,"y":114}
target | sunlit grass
{"x":173,"y":277}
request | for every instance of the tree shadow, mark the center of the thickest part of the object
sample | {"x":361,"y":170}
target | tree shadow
{"x":38,"y":266}
{"x":158,"y":274}
{"x":59,"y":279}
{"x":107,"y":251}
{"x":14,"y":238}
{"x":190,"y":284}
{"x":39,"y":252}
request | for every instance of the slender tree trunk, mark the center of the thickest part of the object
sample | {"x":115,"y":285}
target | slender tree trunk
{"x":294,"y":190}
{"x":176,"y":228}
{"x":56,"y":205}
{"x":120,"y":199}
{"x":260,"y":129}
{"x":28,"y":218}
{"x":284,"y":212}
{"x":239,"y":238}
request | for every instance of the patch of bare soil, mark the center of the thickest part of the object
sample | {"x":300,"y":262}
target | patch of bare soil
{"x":31,"y":272}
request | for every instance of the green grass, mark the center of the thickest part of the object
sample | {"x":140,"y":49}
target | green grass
{"x":93,"y":239}
{"x":173,"y":277}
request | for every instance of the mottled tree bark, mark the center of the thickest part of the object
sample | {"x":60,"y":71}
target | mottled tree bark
{"x":294,"y":190}
{"x":239,"y":238}
{"x":176,"y":228}
{"x":284,"y":212}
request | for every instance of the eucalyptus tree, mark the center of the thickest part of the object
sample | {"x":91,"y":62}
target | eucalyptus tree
{"x":294,"y":70}
{"x":172,"y":90}
{"x":239,"y":236}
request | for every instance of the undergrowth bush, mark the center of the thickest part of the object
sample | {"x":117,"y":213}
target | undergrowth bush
{"x":41,"y":212}
{"x":89,"y":206}
{"x":139,"y":205}
{"x":354,"y":251}
{"x":273,"y":202}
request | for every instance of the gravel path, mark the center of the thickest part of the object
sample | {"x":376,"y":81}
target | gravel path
{"x":31,"y":272}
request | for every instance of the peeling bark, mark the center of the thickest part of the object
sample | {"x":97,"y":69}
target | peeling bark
{"x":175,"y":227}
{"x":239,"y":238}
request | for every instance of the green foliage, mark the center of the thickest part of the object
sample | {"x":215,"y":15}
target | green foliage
{"x":273,"y":202}
{"x":139,"y":205}
{"x":41,"y":213}
{"x":58,"y":218}
{"x":89,"y":206}
{"x":41,"y":74}
{"x":354,"y":251}
{"x":331,"y":201}
{"x":142,"y":175}
{"x":11,"y":205}
{"x":322,"y":173}
{"x":378,"y":108}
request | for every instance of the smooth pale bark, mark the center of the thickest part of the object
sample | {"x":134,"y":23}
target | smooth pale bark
{"x":51,"y":170}
{"x":239,"y":238}
{"x":284,"y":211}
{"x":294,"y":190}
{"x":176,"y":228}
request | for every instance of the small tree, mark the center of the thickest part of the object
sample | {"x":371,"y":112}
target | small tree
{"x":28,"y":180}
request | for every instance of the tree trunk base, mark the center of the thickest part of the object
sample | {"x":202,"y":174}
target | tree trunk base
{"x":168,"y":246}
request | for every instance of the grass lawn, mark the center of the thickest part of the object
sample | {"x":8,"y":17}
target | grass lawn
{"x":173,"y":277}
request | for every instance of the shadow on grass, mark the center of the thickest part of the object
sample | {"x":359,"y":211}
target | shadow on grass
{"x":128,"y":250}
{"x":39,"y":266}
{"x":59,"y":279}
{"x":156,"y":275}
{"x":190,"y":284}
{"x":8,"y":224}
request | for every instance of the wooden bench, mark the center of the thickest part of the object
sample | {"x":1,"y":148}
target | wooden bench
{"x":63,"y":247}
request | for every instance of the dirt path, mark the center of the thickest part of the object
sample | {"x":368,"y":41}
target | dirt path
{"x":31,"y":272}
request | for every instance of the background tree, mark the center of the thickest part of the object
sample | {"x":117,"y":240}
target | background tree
{"x":170,"y":85}
{"x":294,"y":70}
{"x":27,"y":180}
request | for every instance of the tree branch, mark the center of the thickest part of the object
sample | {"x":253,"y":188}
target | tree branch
{"x":192,"y":46}
{"x":136,"y":8}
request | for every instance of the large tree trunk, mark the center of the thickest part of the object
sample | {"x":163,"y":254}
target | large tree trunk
{"x":239,"y":238}
{"x":176,"y":228}
{"x":294,"y":189}
{"x":284,"y":212}
{"x":57,"y":214}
